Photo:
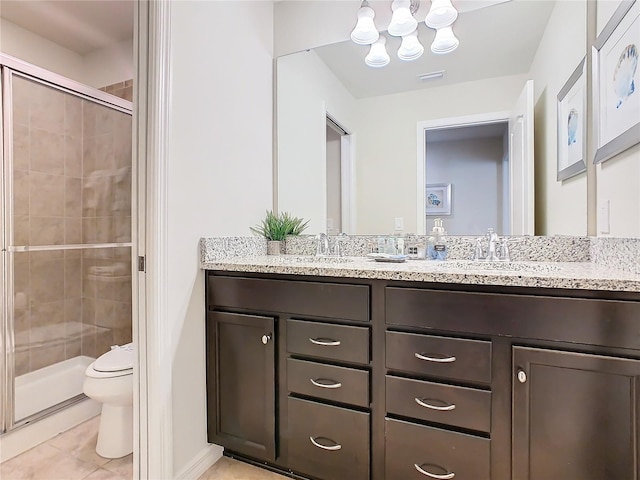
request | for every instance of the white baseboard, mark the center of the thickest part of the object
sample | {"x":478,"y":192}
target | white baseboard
{"x":24,"y":438}
{"x":200,"y":463}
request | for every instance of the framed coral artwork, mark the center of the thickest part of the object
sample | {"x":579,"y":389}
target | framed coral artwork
{"x":572,"y":125}
{"x":616,"y":82}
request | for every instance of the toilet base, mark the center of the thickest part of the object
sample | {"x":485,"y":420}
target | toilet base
{"x":115,"y":434}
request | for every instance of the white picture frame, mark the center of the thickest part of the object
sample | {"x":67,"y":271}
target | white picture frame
{"x":572,"y":124}
{"x":616,"y":83}
{"x":438,"y":199}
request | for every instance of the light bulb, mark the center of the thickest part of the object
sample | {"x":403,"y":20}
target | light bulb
{"x":411,"y":48}
{"x":402,"y":22}
{"x":445,"y":41}
{"x":442,"y":14}
{"x":378,"y":56}
{"x":365,"y":31}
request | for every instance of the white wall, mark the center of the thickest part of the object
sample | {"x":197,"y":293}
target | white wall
{"x":97,"y":69}
{"x":618,"y":179}
{"x":334,"y":182}
{"x":387,"y":155}
{"x":220,"y":176}
{"x":561,"y":207}
{"x":473,"y":167}
{"x":32,"y":48}
{"x":307,"y":90}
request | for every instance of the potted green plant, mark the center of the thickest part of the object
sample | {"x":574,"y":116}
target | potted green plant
{"x":276,"y":227}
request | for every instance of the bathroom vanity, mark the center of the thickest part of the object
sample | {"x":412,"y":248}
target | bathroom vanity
{"x":361,"y":371}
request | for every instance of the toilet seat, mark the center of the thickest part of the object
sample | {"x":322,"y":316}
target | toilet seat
{"x":115,"y":363}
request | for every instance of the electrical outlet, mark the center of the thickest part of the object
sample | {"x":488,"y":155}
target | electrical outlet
{"x":399,"y":223}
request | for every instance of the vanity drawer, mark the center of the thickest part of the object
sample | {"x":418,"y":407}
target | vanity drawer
{"x":339,"y":384}
{"x":457,"y":406}
{"x":444,"y":357}
{"x":440,"y":452}
{"x":327,"y":442}
{"x":320,"y":299}
{"x":326,"y":340}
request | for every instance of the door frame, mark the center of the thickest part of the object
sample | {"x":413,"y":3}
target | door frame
{"x":438,"y":124}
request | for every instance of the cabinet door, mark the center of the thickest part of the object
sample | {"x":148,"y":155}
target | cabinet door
{"x":241,"y":383}
{"x":575,"y":416}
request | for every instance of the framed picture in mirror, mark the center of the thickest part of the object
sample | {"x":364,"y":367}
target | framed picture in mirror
{"x":572,"y":124}
{"x":616,"y":82}
{"x":438,"y":199}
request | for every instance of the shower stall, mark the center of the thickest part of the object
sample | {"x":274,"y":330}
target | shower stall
{"x":66,"y":241}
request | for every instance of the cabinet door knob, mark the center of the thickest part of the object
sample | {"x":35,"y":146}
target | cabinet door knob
{"x":334,"y":447}
{"x":265,"y":339}
{"x":446,"y":476}
{"x":522,"y":376}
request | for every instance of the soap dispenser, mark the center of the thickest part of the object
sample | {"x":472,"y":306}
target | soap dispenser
{"x":437,"y":248}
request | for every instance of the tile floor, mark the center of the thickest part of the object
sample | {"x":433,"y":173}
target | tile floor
{"x":71,"y":456}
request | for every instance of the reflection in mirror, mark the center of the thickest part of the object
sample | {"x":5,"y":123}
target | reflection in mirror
{"x":384,"y":159}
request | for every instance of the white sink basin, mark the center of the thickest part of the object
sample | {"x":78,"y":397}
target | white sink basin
{"x":480,"y":265}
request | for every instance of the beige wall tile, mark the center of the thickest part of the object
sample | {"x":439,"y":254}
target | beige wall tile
{"x":89,"y":230}
{"x":122,"y":336}
{"x":72,"y":311}
{"x":88,"y":311}
{"x":47,"y":195}
{"x":73,"y":197}
{"x":72,"y":231}
{"x":73,"y":349}
{"x":122,"y":229}
{"x":104,"y":153}
{"x":46,"y":230}
{"x":104,"y":119}
{"x":105,"y":230}
{"x":20,"y":192}
{"x":88,"y":345}
{"x":49,"y":315}
{"x":22,"y":91}
{"x":47,"y":280}
{"x":41,"y":357}
{"x":89,"y":114}
{"x":21,"y":228}
{"x":73,"y":155}
{"x":22,"y":365}
{"x":73,"y":278}
{"x":104,"y":340}
{"x":72,"y":115}
{"x":47,"y":109}
{"x":104,"y":313}
{"x":21,"y":146}
{"x":104,"y":196}
{"x":47,"y":151}
{"x":88,"y":156}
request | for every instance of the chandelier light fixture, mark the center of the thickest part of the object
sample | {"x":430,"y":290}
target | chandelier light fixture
{"x":441,"y":17}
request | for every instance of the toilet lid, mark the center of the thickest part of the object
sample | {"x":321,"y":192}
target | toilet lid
{"x":118,"y":358}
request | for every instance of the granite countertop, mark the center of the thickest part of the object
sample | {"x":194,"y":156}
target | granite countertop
{"x":564,"y":275}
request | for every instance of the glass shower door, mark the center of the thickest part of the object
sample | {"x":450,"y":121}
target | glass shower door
{"x":68,"y":240}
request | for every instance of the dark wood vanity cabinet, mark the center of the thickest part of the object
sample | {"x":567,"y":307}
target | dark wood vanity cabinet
{"x":386,"y":380}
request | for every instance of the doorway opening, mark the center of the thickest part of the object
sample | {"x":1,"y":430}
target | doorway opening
{"x":339,"y":174}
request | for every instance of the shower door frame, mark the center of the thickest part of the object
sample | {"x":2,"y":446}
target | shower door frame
{"x":11,"y":67}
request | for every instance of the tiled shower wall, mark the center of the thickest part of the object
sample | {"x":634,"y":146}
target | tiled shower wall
{"x":121,"y":89}
{"x":71,"y":185}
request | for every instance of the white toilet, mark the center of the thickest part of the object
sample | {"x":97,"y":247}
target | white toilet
{"x":109,"y":380}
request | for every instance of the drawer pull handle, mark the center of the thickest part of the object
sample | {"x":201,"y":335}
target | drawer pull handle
{"x":332,"y":448}
{"x":446,"y":408}
{"x":445,"y":476}
{"x":325,"y":342}
{"x":325,"y":385}
{"x":435,"y":359}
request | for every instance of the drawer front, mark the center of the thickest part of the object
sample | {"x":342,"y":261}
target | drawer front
{"x":454,"y":358}
{"x":610,"y":323}
{"x":326,"y":442}
{"x":410,"y":447}
{"x":325,"y":340}
{"x":329,"y":300}
{"x":339,"y":384}
{"x":435,"y":402}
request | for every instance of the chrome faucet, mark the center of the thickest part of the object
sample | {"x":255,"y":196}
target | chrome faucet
{"x":322,"y":244}
{"x":338,"y":248}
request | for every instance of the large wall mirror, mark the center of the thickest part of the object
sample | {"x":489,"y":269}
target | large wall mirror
{"x":361,"y":149}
